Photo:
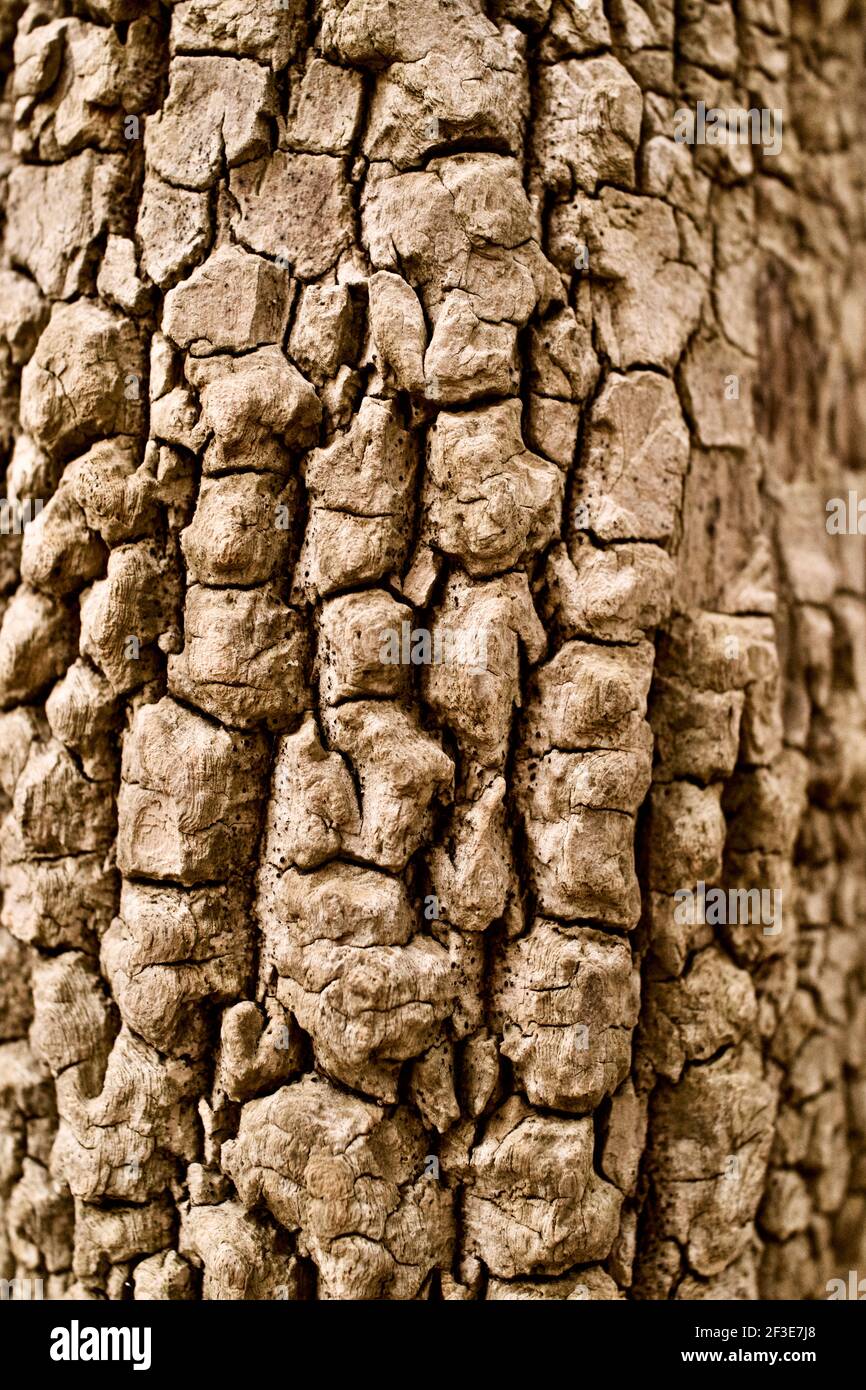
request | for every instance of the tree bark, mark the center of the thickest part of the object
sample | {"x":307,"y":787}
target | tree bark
{"x":433,"y":742}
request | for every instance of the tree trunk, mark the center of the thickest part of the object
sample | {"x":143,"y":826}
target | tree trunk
{"x":432,"y":658}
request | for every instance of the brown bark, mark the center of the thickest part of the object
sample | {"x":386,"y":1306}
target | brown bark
{"x":433,"y":733}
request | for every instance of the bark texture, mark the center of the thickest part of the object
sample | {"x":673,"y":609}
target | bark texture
{"x":432,"y":586}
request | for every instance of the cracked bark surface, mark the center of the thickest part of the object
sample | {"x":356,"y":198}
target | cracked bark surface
{"x":333,"y":973}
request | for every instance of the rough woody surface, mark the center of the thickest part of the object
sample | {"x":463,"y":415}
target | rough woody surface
{"x":416,"y":584}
